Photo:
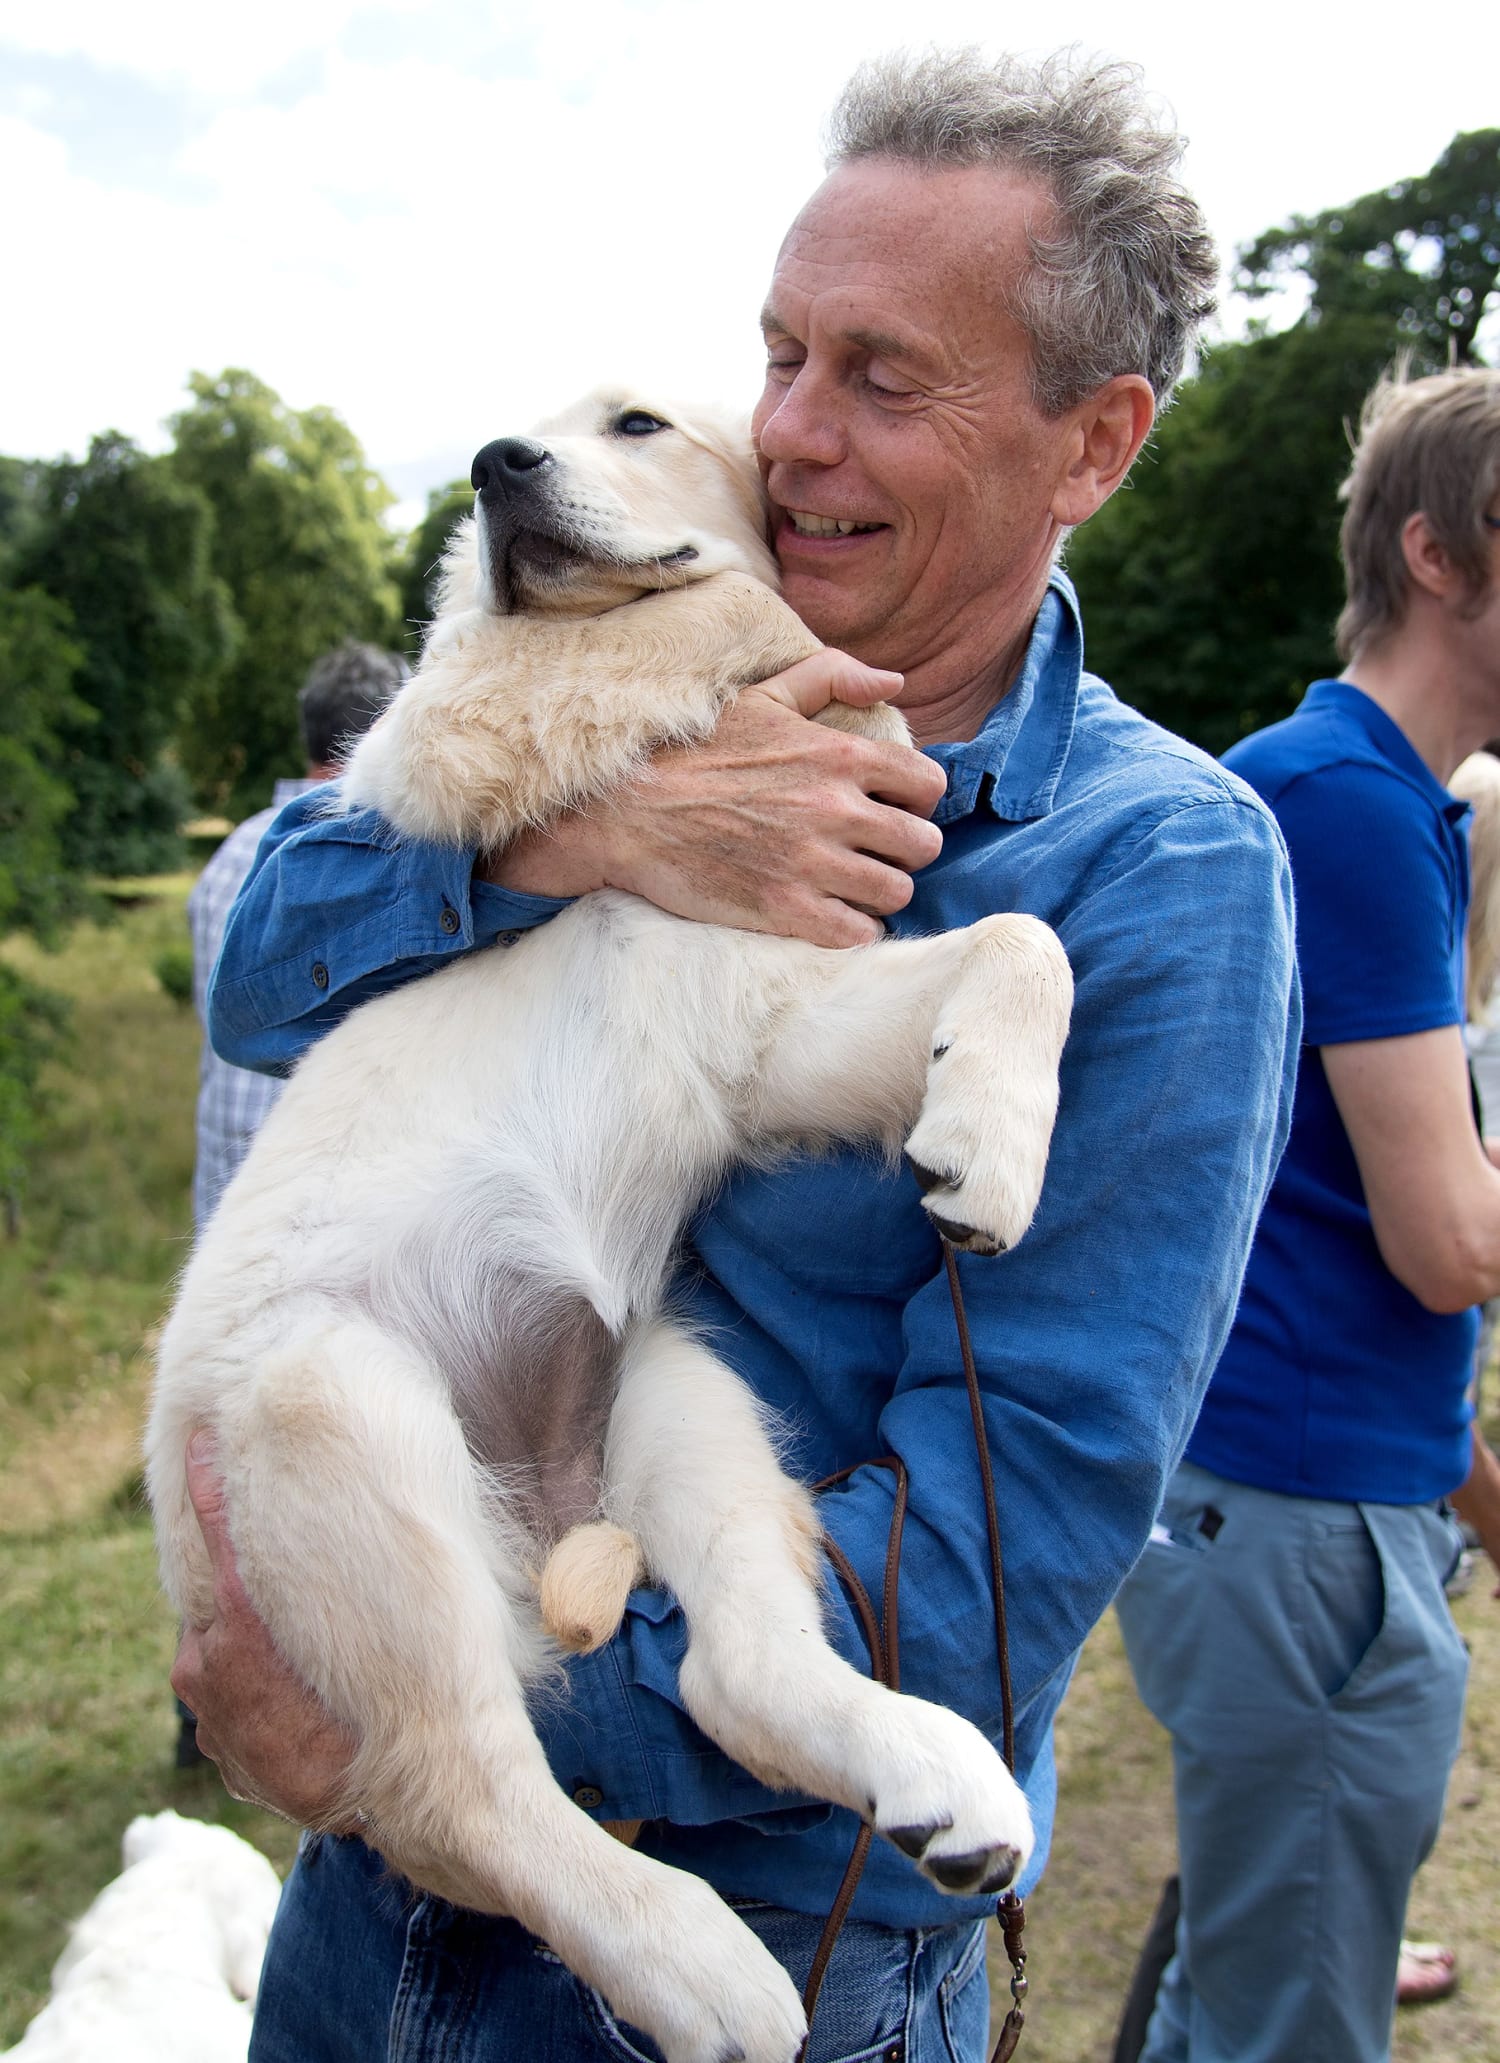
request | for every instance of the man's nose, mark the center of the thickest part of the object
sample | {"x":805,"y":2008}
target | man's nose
{"x":505,"y":463}
{"x":800,"y":424}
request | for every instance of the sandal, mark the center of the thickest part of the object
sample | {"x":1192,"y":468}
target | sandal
{"x":1425,"y":1971}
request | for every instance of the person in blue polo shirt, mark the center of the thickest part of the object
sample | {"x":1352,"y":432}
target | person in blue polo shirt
{"x":1287,"y":1621}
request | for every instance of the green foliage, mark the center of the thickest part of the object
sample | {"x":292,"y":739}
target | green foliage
{"x":1422,"y":256}
{"x":38,"y":662}
{"x":300,"y":545}
{"x":88,"y":1727}
{"x":446,"y":508}
{"x":173,"y":967}
{"x":124,"y":543}
{"x":1211,"y":583}
{"x":21,"y":485}
{"x":32,"y":1024}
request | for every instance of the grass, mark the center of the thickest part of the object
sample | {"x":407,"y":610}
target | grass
{"x":87,"y":1724}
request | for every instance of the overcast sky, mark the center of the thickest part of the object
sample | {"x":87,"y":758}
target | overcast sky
{"x":442,"y":217}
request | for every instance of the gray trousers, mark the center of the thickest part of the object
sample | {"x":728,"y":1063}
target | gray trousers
{"x":1303,"y":1658}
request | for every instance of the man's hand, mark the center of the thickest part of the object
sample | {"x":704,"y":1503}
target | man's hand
{"x":774,"y":823}
{"x":274,"y":1742}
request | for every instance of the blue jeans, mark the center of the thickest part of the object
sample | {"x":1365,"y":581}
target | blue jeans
{"x":363,"y":1969}
{"x":1303,"y":1658}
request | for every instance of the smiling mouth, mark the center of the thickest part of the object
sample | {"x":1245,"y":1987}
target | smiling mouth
{"x":806,"y":524}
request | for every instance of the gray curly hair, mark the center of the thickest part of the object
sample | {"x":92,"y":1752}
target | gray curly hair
{"x":1127,"y":270}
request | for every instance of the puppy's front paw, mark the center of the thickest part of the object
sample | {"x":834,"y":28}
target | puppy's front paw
{"x":979,"y":1158}
{"x":953,"y":1806}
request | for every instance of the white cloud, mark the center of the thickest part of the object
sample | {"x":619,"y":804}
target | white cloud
{"x":209,"y":49}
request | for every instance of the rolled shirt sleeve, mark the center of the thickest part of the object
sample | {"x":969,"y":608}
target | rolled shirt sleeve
{"x":339,"y":908}
{"x":1095,"y":1338}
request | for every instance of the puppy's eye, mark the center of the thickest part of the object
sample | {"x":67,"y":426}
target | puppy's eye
{"x":637,"y":423}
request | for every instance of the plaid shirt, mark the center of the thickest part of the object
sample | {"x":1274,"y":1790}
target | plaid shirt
{"x":232,"y":1102}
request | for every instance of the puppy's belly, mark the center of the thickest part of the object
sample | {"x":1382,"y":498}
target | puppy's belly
{"x":535,"y":1407}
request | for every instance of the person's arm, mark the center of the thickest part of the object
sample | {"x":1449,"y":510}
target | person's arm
{"x":774,"y":823}
{"x":338,"y":908}
{"x":1095,"y":1337}
{"x":1432,"y":1189}
{"x":1477,"y":1500}
{"x":1379,"y":907}
{"x":253,"y":1712}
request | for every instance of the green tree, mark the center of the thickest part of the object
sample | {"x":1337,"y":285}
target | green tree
{"x":124,"y":543}
{"x":22,"y":482}
{"x":1423,"y":256}
{"x":446,"y":508}
{"x":1212,"y":582}
{"x":39,"y":661}
{"x":300,"y":544}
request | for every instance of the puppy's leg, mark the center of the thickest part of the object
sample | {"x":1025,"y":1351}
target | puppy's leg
{"x":692,"y":1472}
{"x":957,"y":1038}
{"x":364,"y":1536}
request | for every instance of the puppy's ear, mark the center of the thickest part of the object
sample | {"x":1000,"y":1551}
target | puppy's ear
{"x":723,"y":430}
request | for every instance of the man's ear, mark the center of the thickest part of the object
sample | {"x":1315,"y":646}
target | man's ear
{"x":1427,"y":562}
{"x":1107,"y":430}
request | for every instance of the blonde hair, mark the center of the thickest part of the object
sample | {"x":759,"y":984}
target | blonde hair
{"x":1430,"y":446}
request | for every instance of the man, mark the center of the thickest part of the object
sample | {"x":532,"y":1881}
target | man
{"x":1287,"y":1623}
{"x":341,"y":697}
{"x":967,"y":328}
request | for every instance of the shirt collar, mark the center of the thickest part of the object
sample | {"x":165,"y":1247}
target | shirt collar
{"x":1016,"y":761}
{"x":1388,"y":738}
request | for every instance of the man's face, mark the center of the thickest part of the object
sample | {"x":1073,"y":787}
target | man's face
{"x":898,"y":399}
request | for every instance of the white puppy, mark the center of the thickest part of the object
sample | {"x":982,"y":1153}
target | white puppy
{"x":163,"y":1966}
{"x":426,"y":1325}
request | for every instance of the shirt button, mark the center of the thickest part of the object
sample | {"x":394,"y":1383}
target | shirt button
{"x":506,"y":938}
{"x":450,"y":920}
{"x":319,"y":975}
{"x":589,"y":1796}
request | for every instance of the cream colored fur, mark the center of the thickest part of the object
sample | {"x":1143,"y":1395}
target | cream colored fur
{"x":526,"y":1133}
{"x":1477,"y":782}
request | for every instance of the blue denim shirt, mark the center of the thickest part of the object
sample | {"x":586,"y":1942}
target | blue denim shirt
{"x":821,"y":1280}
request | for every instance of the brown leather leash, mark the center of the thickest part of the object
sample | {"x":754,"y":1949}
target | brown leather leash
{"x":883,"y":1638}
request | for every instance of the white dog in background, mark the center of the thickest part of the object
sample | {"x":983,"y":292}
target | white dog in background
{"x":163,"y":1966}
{"x":426,"y":1326}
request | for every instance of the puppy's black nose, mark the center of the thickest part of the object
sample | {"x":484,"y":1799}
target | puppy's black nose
{"x":506,"y":460}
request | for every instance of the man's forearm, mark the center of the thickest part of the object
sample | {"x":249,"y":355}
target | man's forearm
{"x":335,"y":911}
{"x":1477,"y":1502}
